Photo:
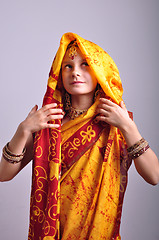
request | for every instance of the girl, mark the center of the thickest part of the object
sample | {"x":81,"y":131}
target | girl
{"x":82,"y":142}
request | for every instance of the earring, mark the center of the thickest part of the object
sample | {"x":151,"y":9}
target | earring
{"x":98,"y":88}
{"x":67,"y":101}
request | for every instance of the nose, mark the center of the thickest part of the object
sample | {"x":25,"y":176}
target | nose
{"x":75,"y":72}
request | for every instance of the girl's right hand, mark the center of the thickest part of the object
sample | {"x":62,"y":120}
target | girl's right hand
{"x":40,"y":119}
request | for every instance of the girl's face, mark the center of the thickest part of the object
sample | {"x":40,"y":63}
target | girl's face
{"x":77,"y":76}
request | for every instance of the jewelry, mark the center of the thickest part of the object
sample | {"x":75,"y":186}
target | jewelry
{"x":11,"y":157}
{"x":138,"y":148}
{"x":72,"y":48}
{"x":133,"y":147}
{"x":67,"y":102}
{"x":139,"y":153}
{"x":97,"y":91}
{"x":73,"y":112}
{"x":72,"y":52}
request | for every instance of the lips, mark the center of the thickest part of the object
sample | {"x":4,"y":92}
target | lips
{"x":76,"y":82}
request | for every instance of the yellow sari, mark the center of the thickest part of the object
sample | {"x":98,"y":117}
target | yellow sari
{"x":80,"y":169}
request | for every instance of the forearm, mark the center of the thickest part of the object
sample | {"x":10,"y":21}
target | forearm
{"x":20,"y":140}
{"x":146,"y":164}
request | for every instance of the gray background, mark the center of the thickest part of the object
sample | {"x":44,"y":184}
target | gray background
{"x":30,"y":35}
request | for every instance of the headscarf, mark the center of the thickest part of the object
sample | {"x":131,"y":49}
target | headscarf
{"x":102,"y":65}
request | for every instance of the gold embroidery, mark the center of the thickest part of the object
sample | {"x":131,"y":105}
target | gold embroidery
{"x":87,"y":136}
{"x":53,"y":141}
{"x":47,"y":228}
{"x":122,"y":182}
{"x":71,"y":150}
{"x":39,"y":153}
{"x":40,"y":214}
{"x":107,"y":151}
{"x":37,"y":136}
{"x":76,"y":142}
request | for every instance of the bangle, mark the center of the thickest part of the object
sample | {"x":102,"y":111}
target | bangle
{"x":11,"y":157}
{"x":130,"y":149}
{"x":138,"y":148}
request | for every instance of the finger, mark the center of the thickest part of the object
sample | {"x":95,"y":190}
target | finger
{"x":34,"y":109}
{"x":106,"y":101}
{"x":48,"y":106}
{"x":54,"y":117}
{"x":102,"y":112}
{"x":102,"y":118}
{"x":104,"y":106}
{"x":51,"y":125}
{"x":53,"y":111}
{"x":122,"y":105}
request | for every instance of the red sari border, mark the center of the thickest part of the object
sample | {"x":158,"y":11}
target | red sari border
{"x":80,"y":142}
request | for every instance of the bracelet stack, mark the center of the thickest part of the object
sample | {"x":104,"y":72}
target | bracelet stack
{"x":11,"y":157}
{"x":138,"y":148}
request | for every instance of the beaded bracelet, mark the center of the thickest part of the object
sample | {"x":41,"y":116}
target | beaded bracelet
{"x":138,"y":148}
{"x":11,"y":157}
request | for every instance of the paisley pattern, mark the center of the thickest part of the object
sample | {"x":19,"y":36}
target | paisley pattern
{"x":79,"y":170}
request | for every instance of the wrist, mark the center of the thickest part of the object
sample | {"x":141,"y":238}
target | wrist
{"x":23,"y":130}
{"x":18,"y":142}
{"x":128,"y":126}
{"x":130,"y":133}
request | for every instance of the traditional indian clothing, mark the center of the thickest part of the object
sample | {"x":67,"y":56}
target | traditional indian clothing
{"x":80,"y":169}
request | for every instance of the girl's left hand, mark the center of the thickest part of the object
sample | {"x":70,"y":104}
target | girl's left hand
{"x":113,"y":114}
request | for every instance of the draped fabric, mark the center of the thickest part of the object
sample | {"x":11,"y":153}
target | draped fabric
{"x":79,"y":170}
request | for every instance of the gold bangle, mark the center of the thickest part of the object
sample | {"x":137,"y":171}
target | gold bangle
{"x":139,"y":153}
{"x":130,"y":149}
{"x":138,"y":148}
{"x":11,"y":157}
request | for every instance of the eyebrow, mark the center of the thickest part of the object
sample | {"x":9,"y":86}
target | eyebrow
{"x":70,"y":61}
{"x":66,"y":62}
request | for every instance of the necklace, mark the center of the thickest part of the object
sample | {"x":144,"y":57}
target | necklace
{"x":72,"y":112}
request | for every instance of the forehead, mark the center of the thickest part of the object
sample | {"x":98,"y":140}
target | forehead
{"x":73,"y":53}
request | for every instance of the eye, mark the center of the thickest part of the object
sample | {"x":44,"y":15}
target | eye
{"x":85,"y":63}
{"x":68,"y":66}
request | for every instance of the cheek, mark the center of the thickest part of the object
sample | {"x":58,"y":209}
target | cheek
{"x":65,"y":81}
{"x":95,"y":82}
{"x":91,"y":78}
{"x":64,"y":78}
{"x":92,"y":81}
